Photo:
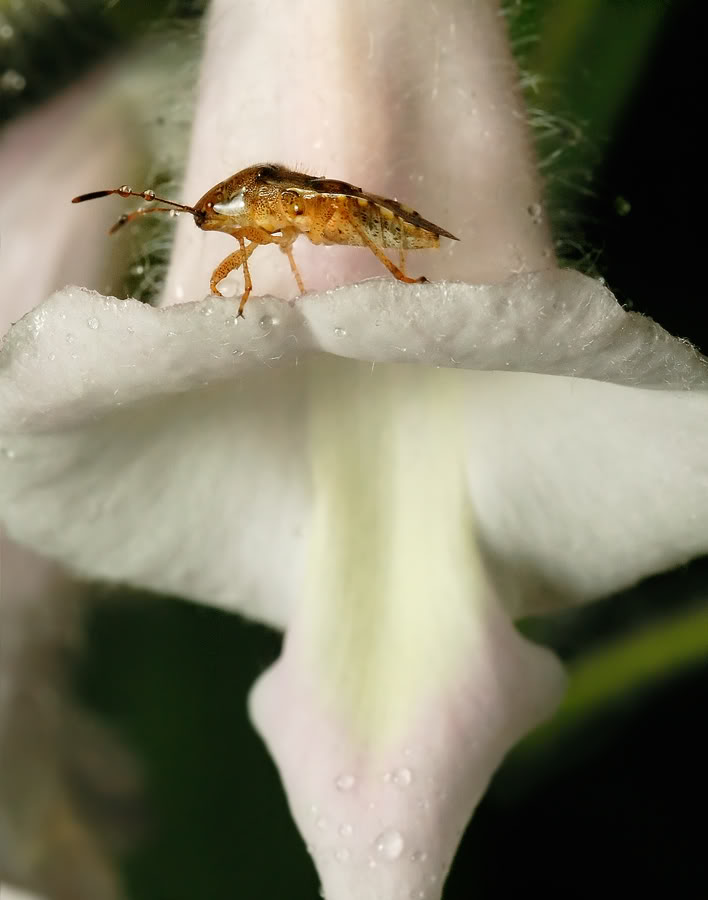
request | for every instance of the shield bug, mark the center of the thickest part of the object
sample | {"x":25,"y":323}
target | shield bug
{"x":269,"y":204}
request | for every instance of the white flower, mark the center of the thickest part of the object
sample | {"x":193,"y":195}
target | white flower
{"x":389,"y":473}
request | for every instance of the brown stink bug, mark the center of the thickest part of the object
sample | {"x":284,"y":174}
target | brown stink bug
{"x":269,"y":204}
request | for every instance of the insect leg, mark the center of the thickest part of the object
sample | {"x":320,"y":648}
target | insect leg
{"x":293,"y":265}
{"x":143,"y":211}
{"x":248,"y":286}
{"x":232,"y":261}
{"x":289,"y":236}
{"x":391,"y":266}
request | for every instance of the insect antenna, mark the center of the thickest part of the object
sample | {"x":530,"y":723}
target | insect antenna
{"x":148,"y":195}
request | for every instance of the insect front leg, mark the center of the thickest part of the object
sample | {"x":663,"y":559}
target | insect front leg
{"x":234,"y":261}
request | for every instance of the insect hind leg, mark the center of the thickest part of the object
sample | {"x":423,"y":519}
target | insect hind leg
{"x":390,"y":265}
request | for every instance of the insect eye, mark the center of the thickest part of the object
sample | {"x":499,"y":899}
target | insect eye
{"x":266,"y":172}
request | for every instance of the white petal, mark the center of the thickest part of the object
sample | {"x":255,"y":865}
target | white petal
{"x":173,"y":435}
{"x":382,"y":817}
{"x":402,"y":683}
{"x":590,"y":486}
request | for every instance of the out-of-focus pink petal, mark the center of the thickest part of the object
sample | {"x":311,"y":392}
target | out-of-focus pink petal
{"x":80,"y":139}
{"x":420,"y":104}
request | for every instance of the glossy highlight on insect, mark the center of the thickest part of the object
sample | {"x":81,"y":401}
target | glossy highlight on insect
{"x":269,"y":204}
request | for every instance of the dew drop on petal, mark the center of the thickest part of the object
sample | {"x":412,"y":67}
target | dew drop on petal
{"x":267,"y":322}
{"x":535,"y":210}
{"x":70,"y":338}
{"x":93,"y":323}
{"x":52,"y":357}
{"x":345,"y":782}
{"x":402,"y":777}
{"x":389,"y":844}
{"x":340,"y":332}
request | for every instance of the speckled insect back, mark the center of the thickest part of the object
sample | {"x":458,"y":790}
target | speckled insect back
{"x":269,"y":204}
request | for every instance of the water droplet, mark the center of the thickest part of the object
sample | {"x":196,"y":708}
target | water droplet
{"x":52,"y":356}
{"x":8,"y":453}
{"x":346,"y":830}
{"x":419,"y":856}
{"x":149,"y":195}
{"x":124,"y":189}
{"x":267,"y":322}
{"x":70,"y":338}
{"x":535,"y":210}
{"x":402,"y":777}
{"x":345,"y":782}
{"x":340,"y":332}
{"x":321,"y":823}
{"x":93,"y":323}
{"x":207,"y":311}
{"x":130,"y":329}
{"x":174,"y":213}
{"x":389,"y":844}
{"x":342,"y":854}
{"x":231,"y":320}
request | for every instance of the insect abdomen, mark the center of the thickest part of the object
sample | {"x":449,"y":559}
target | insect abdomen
{"x":347,"y":217}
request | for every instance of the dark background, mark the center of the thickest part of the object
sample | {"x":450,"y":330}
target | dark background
{"x":602,"y":801}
